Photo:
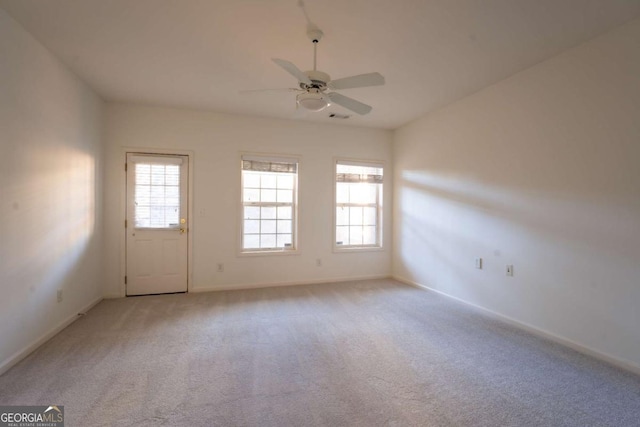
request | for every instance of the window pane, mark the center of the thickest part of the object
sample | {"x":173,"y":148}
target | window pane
{"x":342,"y":235}
{"x":363,"y":193}
{"x":355,"y":215}
{"x":283,"y":239}
{"x":284,"y":227}
{"x":342,"y":216}
{"x":356,"y":193}
{"x":370,"y":216}
{"x":267,"y":226}
{"x":369,"y":235}
{"x":267,"y":240}
{"x":285,"y":196}
{"x":285,"y":212}
{"x":342,"y":192}
{"x":252,"y":226}
{"x":285,"y":181}
{"x":251,"y":212}
{"x":268,"y":180}
{"x":251,"y":195}
{"x":251,"y":180}
{"x":268,"y":196}
{"x":268,"y":212}
{"x":251,"y":241}
{"x":355,"y":235}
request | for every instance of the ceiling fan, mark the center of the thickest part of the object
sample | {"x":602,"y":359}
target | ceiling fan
{"x":313,"y":88}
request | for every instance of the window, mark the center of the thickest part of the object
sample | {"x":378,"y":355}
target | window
{"x":269,"y":195}
{"x":358,"y":221}
{"x":156,"y":192}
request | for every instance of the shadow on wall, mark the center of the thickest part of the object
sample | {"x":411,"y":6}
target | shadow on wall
{"x":592,"y":223}
{"x":572,"y":256}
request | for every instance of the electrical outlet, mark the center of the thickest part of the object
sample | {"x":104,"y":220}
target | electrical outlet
{"x":220,"y":267}
{"x":479,"y":263}
{"x":509,"y":270}
{"x":318,"y":262}
{"x":59,"y":295}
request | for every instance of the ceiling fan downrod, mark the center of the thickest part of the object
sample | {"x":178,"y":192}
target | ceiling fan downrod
{"x":315,"y":35}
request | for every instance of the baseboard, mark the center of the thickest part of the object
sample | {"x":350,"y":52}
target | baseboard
{"x":289,"y":283}
{"x":112,"y":296}
{"x":615,"y":361}
{"x":21,"y":354}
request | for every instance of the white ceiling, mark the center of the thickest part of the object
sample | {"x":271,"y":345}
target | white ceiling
{"x":200,"y":53}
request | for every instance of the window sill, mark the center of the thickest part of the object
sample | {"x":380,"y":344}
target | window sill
{"x":347,"y":249}
{"x":268,"y":253}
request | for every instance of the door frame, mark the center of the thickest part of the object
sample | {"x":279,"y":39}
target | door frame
{"x":123,"y":209}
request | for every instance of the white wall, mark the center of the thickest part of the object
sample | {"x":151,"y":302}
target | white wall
{"x":50,"y":166}
{"x":216,"y":141}
{"x":541,"y":171}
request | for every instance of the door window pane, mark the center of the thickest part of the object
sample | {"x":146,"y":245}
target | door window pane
{"x":156,"y":195}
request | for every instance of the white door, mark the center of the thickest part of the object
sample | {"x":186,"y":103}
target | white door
{"x":156,"y":224}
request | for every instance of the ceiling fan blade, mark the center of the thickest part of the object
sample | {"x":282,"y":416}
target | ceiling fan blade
{"x":293,"y":70}
{"x":361,"y":80}
{"x":349,"y":103}
{"x":286,"y":89}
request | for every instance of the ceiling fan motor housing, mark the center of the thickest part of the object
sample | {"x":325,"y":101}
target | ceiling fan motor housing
{"x":318,"y":79}
{"x":314,"y":33}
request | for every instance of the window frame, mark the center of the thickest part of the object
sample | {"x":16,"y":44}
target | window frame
{"x":379,"y":245}
{"x":273,"y":157}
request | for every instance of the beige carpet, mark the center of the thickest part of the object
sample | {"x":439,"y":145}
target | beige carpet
{"x":371,"y":353}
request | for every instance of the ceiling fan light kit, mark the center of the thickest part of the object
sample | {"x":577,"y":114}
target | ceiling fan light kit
{"x":313,"y":101}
